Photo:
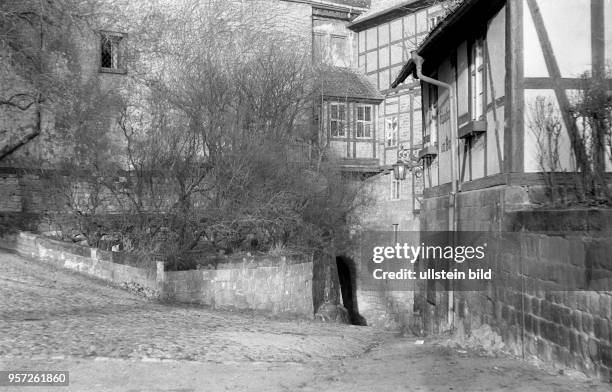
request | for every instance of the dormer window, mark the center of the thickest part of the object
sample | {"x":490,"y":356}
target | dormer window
{"x":111,"y":52}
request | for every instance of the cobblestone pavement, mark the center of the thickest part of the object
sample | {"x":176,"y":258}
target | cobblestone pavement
{"x":46,"y":312}
{"x":111,"y":340}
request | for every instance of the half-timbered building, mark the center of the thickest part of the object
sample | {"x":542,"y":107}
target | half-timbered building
{"x":500,"y":59}
{"x":487,"y":71}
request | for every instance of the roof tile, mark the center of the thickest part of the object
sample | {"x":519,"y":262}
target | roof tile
{"x":348,"y":83}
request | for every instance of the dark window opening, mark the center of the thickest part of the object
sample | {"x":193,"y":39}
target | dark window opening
{"x":111,"y":52}
{"x":348,"y":287}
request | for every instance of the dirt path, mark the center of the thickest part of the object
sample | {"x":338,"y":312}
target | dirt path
{"x":111,"y":340}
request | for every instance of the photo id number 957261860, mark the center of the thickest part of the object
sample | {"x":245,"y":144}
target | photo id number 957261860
{"x":50,"y":378}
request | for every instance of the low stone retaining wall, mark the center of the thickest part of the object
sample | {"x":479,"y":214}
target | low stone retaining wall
{"x":275,"y":285}
{"x":272,"y":285}
{"x":90,"y":261}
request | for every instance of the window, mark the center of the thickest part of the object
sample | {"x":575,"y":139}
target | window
{"x":111,"y":52}
{"x":337,"y":118}
{"x":434,"y":21}
{"x":396,"y":187}
{"x":319,"y":48}
{"x":339,"y":51}
{"x":477,"y":80}
{"x":391,"y":128}
{"x":364,"y":121}
{"x":432,"y":134}
{"x":421,"y":22}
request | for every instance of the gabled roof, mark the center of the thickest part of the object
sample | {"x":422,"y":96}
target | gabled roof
{"x":470,"y":16}
{"x":389,"y":10}
{"x":347,"y":83}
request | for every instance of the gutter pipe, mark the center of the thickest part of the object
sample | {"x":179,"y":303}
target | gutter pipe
{"x":452,"y":202}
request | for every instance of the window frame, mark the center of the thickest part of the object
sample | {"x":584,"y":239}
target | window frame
{"x":341,"y":123}
{"x":477,"y":79}
{"x":395,"y":134}
{"x":433,"y":115}
{"x":364,"y":122}
{"x":117,"y":42}
{"x":396,"y":189}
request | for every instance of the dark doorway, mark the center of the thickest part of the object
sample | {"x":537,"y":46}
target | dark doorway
{"x":348,"y":286}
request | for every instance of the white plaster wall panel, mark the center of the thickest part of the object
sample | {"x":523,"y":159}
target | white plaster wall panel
{"x":364,"y":149}
{"x":532,"y":151}
{"x":496,"y":45}
{"x":534,"y":65}
{"x":569,"y":29}
{"x":495,"y":141}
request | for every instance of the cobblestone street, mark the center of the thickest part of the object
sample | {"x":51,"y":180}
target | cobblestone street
{"x":46,"y":312}
{"x":110,"y":339}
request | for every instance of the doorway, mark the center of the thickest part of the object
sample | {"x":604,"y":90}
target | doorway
{"x":348,"y":287}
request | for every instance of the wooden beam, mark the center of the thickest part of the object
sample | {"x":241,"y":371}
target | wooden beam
{"x":514,"y":119}
{"x":541,"y":83}
{"x":493,"y":104}
{"x":598,"y":39}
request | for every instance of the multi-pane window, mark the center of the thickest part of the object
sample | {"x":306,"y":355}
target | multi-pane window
{"x":363,"y":121}
{"x":111,"y":52}
{"x":477,"y":80}
{"x":337,"y":119}
{"x":396,"y":187}
{"x":391,"y":131}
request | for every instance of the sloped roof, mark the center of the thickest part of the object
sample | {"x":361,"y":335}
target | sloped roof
{"x":449,"y":33}
{"x":384,"y":11}
{"x":347,"y":83}
{"x":353,"y":3}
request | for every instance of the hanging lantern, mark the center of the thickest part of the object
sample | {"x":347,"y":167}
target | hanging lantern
{"x":399,"y":171}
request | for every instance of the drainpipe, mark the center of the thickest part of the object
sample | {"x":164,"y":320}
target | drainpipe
{"x":452,"y":202}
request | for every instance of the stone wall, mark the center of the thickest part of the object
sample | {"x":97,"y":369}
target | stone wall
{"x":552,"y":299}
{"x":105,"y":265}
{"x":382,"y":305}
{"x":271,"y":285}
{"x":278,"y":285}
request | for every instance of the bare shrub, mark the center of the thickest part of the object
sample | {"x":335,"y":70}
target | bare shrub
{"x":592,"y":111}
{"x":546,"y":125}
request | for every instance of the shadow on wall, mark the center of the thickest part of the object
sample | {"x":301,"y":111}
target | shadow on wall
{"x":348,"y":286}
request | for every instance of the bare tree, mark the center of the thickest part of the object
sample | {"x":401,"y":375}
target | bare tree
{"x":209,"y":131}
